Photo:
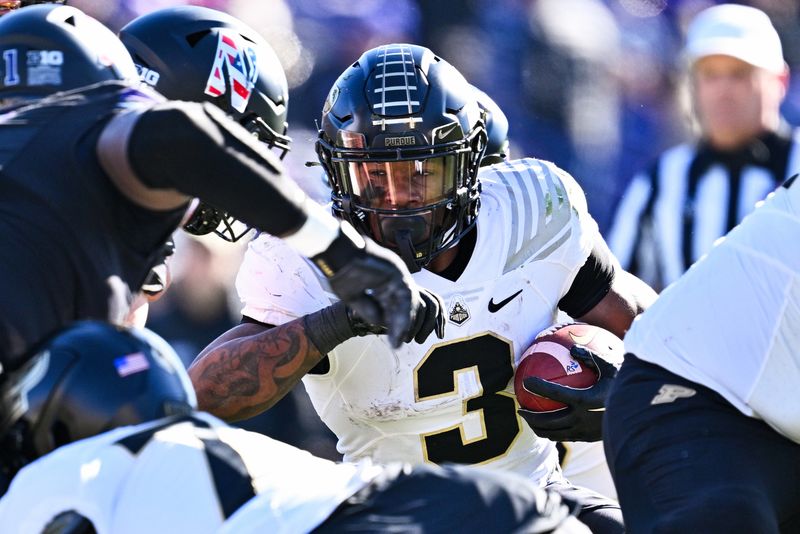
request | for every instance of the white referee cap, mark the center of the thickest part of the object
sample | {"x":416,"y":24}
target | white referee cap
{"x":738,"y":31}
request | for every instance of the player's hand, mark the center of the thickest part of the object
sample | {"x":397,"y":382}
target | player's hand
{"x":375,"y":284}
{"x":582,"y":419}
{"x":428,"y":317}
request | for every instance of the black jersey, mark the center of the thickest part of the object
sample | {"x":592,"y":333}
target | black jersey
{"x":73,"y":246}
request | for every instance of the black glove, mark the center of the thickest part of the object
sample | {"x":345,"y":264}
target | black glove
{"x":376,"y":285}
{"x":582,"y":419}
{"x":337,"y":323}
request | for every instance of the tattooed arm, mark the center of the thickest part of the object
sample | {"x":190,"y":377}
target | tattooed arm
{"x":251,"y":367}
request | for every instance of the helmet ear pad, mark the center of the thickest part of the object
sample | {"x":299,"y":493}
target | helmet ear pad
{"x":398,"y":103}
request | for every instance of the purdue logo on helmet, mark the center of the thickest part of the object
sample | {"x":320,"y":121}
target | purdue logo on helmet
{"x":401,"y":140}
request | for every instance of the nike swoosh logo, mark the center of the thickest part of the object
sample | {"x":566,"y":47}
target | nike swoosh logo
{"x":494,"y":307}
{"x":441,"y":134}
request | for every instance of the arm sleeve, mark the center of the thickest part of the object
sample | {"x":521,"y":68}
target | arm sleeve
{"x":197,"y":150}
{"x":592,"y":283}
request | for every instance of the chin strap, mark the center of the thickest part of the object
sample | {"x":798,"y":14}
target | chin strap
{"x":406,"y":249}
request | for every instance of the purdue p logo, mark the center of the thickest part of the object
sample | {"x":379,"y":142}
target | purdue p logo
{"x":672,"y":392}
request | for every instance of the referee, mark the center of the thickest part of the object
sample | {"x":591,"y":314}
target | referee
{"x":695,"y":192}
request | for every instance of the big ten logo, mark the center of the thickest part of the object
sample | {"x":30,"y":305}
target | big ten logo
{"x":45,"y":58}
{"x":148,"y":76}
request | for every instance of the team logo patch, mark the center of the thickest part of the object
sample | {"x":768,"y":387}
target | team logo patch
{"x":148,"y":76}
{"x":672,"y":392}
{"x":459,"y":312}
{"x":131,"y":364}
{"x":44,"y":67}
{"x":234,"y":70}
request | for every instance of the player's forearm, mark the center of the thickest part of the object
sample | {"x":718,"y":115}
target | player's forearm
{"x":249,"y":368}
{"x":628,"y":297}
{"x":174,"y":150}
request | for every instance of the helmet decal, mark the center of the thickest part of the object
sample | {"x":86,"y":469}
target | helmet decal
{"x":131,"y":364}
{"x":234,"y":67}
{"x":48,"y":48}
{"x":395,"y":89}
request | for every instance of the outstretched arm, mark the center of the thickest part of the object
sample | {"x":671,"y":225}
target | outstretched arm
{"x":252,"y":366}
{"x":161,"y":155}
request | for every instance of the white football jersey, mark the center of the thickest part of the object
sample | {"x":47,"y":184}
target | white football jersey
{"x":179,"y":476}
{"x":449,"y":400}
{"x":732,"y":322}
{"x":584,"y":464}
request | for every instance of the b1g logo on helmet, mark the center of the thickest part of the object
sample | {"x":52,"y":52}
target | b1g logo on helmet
{"x":234,"y":70}
{"x":148,"y":76}
{"x":44,"y":67}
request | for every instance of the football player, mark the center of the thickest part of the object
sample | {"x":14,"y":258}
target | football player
{"x":704,"y":414}
{"x":98,"y":171}
{"x":78,"y":468}
{"x":402,"y":137}
{"x":175,"y":50}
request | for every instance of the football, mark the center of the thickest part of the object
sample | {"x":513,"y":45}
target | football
{"x":548,"y":358}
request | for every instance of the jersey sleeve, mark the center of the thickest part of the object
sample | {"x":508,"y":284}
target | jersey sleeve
{"x":564,"y":232}
{"x":277,"y":285}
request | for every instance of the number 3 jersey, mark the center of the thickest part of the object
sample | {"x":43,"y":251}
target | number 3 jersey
{"x":448,"y":400}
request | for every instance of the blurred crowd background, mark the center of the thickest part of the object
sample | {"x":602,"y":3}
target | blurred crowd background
{"x":597,"y":86}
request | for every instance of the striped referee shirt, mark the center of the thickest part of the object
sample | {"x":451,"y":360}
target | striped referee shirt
{"x":692,"y":195}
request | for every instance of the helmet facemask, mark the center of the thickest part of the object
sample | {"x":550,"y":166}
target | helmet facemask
{"x":206,"y":219}
{"x":418,"y":200}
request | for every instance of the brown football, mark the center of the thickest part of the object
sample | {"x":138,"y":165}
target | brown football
{"x":548,"y":358}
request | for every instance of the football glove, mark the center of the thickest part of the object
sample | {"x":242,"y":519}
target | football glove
{"x":582,"y":419}
{"x":338,"y":322}
{"x":376,"y":285}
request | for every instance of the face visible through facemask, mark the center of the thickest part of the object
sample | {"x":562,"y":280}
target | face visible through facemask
{"x":403,"y":198}
{"x":407,"y":184}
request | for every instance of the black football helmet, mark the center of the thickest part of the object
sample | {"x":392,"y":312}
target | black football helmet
{"x":401,"y":140}
{"x":91,"y":377}
{"x":200,"y":54}
{"x":49,"y":48}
